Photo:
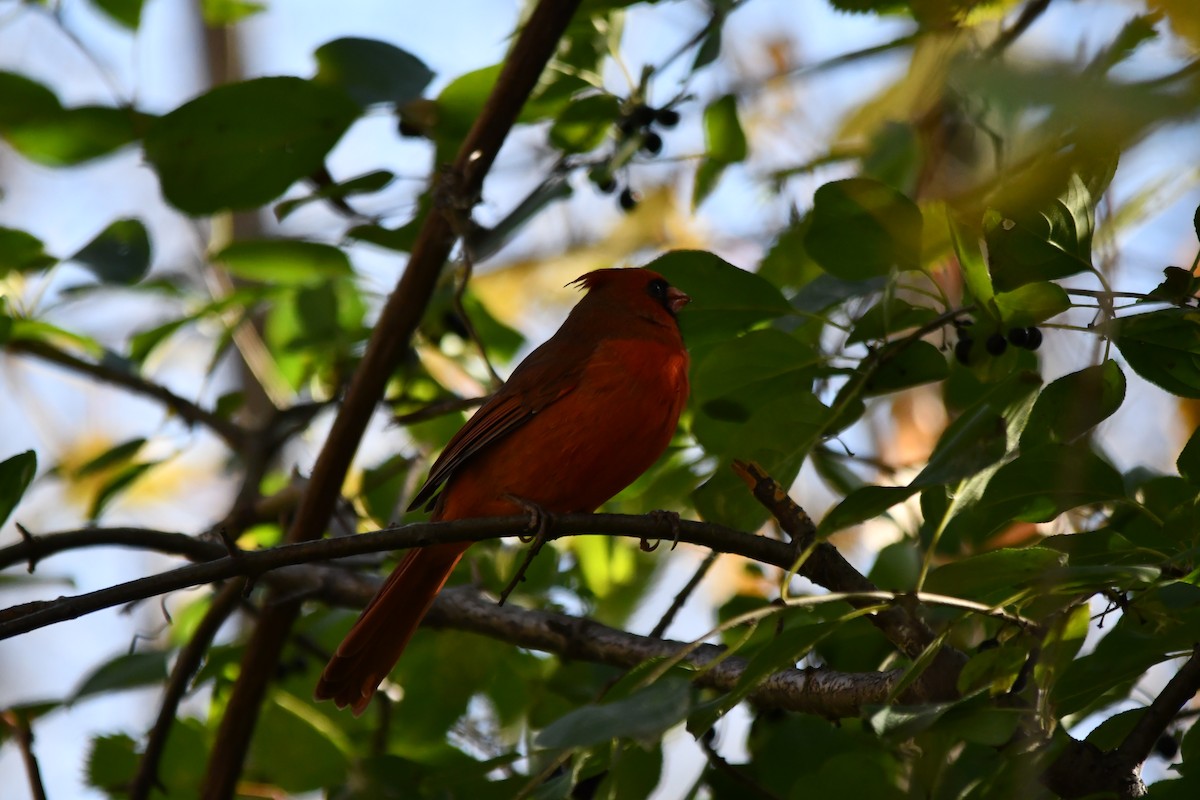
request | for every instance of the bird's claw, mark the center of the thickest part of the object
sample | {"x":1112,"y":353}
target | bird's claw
{"x":671,"y":518}
{"x":539,"y":520}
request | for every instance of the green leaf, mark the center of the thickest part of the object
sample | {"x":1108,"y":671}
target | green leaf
{"x":1032,"y":303}
{"x":70,"y":136}
{"x":583,"y":125}
{"x":113,"y":457}
{"x":1029,"y":248}
{"x":863,"y":229}
{"x":890,"y":315}
{"x":1163,"y":347}
{"x":725,"y":300}
{"x":458,"y":106}
{"x":1037,"y":486}
{"x":723,"y":135}
{"x":995,"y":669}
{"x":757,"y":356}
{"x":1074,"y":404}
{"x":126,"y":671}
{"x":115,"y":485}
{"x":371,"y":71}
{"x":22,"y":252}
{"x":970,"y":260}
{"x":286,"y":262}
{"x":126,"y":13}
{"x":905,"y":364}
{"x":16,"y":473}
{"x":228,"y":12}
{"x":242,"y":145}
{"x":995,"y":576}
{"x":111,"y":763}
{"x":119,"y":254}
{"x":23,"y":99}
{"x":644,"y":716}
{"x":298,"y":745}
{"x":1188,"y":461}
{"x":363,"y":184}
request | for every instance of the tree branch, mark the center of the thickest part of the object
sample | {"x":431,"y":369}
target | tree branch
{"x":34,"y":548}
{"x":189,"y":660}
{"x":826,"y":567}
{"x":23,"y":735}
{"x":1150,"y":727}
{"x":231,"y":433}
{"x":524,"y":66}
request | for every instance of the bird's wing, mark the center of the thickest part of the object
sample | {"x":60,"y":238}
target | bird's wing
{"x":543,"y":378}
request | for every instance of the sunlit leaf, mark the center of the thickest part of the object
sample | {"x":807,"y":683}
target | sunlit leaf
{"x":288,"y":262}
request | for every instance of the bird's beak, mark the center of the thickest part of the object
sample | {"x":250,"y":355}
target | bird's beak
{"x":676,"y":299}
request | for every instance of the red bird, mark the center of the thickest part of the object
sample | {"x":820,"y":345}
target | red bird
{"x":579,"y":420}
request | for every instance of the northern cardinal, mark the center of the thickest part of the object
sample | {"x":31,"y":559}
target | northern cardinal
{"x":582,"y":417}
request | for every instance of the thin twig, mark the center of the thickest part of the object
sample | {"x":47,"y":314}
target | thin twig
{"x":231,"y":433}
{"x":1140,"y":741}
{"x":1029,"y":14}
{"x":438,"y":408}
{"x":189,"y":660}
{"x":23,"y":736}
{"x":718,"y":762}
{"x":684,"y":594}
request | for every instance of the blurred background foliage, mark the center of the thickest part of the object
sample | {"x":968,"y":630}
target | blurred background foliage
{"x":942,"y":256}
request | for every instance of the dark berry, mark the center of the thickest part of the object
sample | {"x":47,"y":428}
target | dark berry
{"x":607,"y":184}
{"x":408,"y":129}
{"x":1035,"y":338}
{"x":1019,"y":337}
{"x":996,"y":345}
{"x":667,"y":117}
{"x":962,"y":351}
{"x":641,"y":116}
{"x":1167,"y":746}
{"x":628,"y":199}
{"x":652,"y":143}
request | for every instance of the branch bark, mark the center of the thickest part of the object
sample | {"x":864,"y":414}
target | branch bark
{"x":532,"y":50}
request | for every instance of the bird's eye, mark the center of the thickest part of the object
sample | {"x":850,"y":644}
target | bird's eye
{"x":658,"y":289}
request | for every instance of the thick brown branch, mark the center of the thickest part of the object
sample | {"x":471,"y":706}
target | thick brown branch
{"x":189,"y":660}
{"x":31,"y":616}
{"x":524,"y":66}
{"x":229,"y":432}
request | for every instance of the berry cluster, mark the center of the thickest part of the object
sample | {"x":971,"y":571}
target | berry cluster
{"x":1026,"y":338}
{"x":638,"y":120}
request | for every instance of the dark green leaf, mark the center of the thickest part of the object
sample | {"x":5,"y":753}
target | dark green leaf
{"x":244,"y":144}
{"x":1023,"y":248}
{"x":757,"y":356}
{"x":1074,"y":404}
{"x":905,"y":364}
{"x":710,"y":48}
{"x":126,"y":671}
{"x":995,"y":576}
{"x":1188,"y":461}
{"x":583,"y":125}
{"x":725,"y":300}
{"x":119,"y":254}
{"x":22,"y":99}
{"x":111,"y":763}
{"x":115,"y":485}
{"x":863,"y":229}
{"x":287,"y":262}
{"x":994,"y":669}
{"x":1163,"y":347}
{"x":297,"y":745}
{"x":22,"y":252}
{"x":888,"y":316}
{"x":371,"y":71}
{"x":644,"y":715}
{"x":458,"y":105}
{"x":1037,"y":486}
{"x":825,"y":291}
{"x":1179,"y":286}
{"x":363,"y":184}
{"x":1032,"y":303}
{"x":708,"y":174}
{"x":16,"y":473}
{"x":863,"y":504}
{"x":115,"y":456}
{"x":127,"y":13}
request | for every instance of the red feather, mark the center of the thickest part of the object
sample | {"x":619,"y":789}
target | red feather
{"x":579,"y":420}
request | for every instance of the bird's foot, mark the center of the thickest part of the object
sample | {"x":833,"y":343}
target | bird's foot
{"x":671,"y":519}
{"x":539,"y":525}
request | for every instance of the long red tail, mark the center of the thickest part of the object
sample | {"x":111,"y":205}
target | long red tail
{"x":383,"y":630}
